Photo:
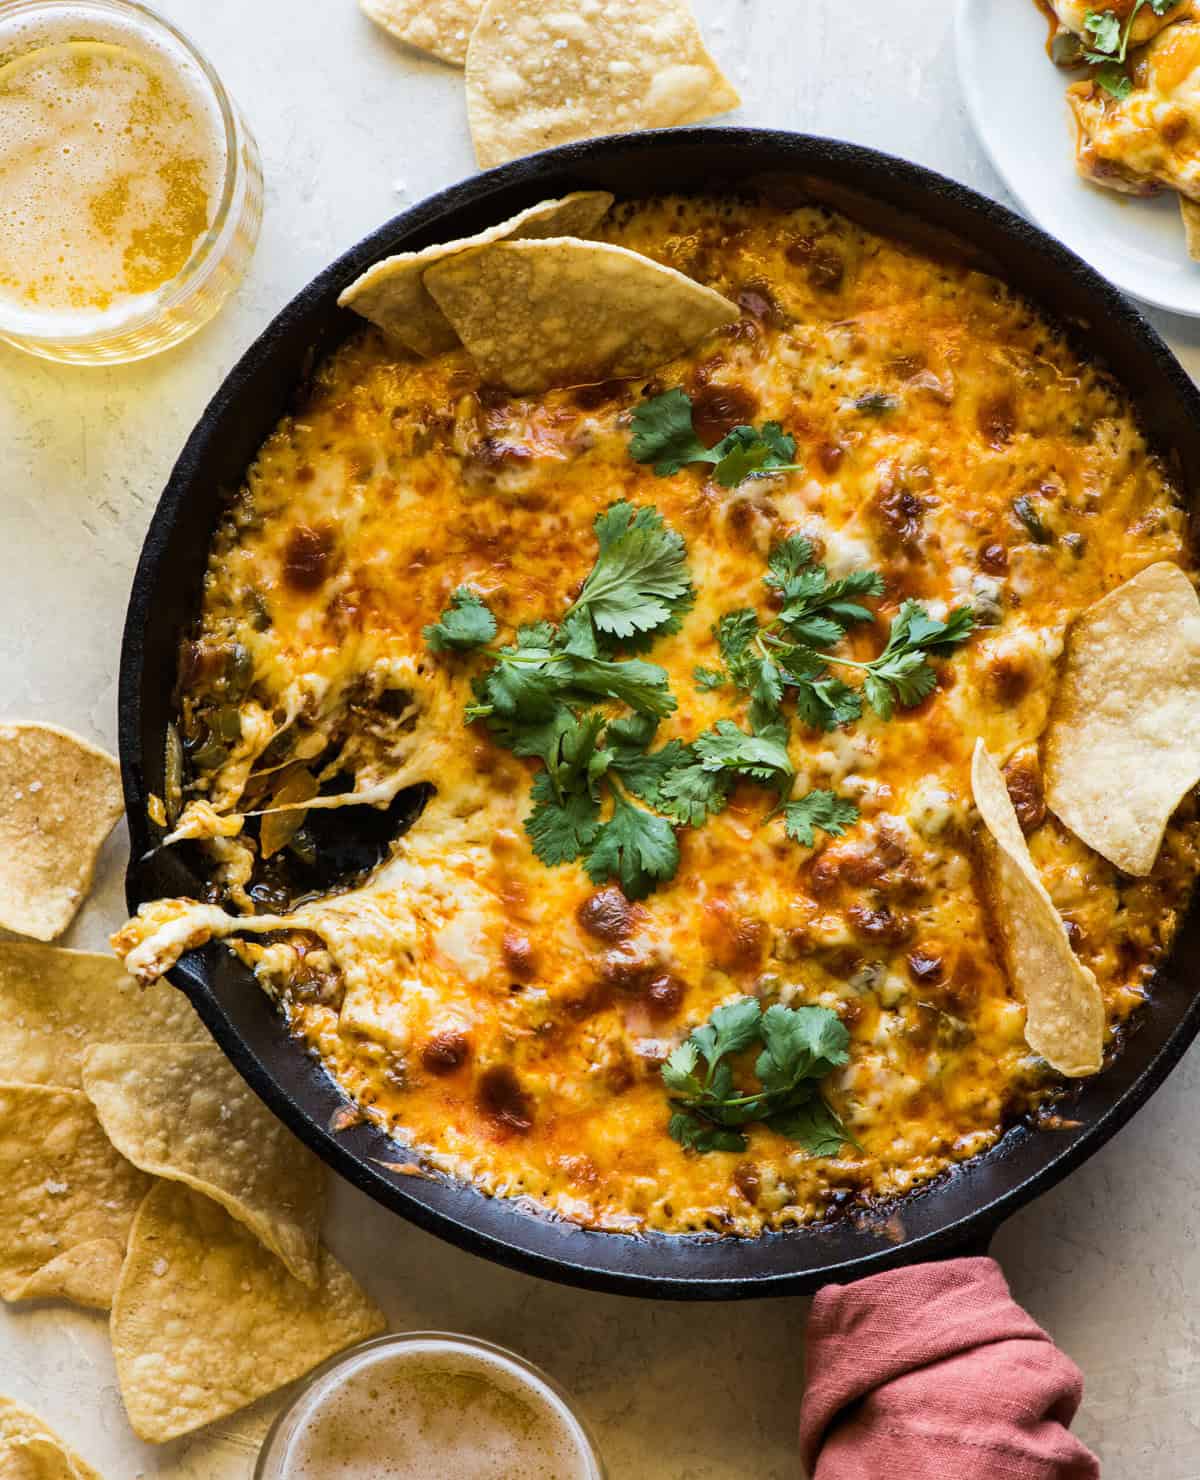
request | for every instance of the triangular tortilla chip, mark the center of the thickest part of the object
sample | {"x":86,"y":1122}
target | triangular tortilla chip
{"x":536,"y":314}
{"x":440,"y":27}
{"x":184,"y":1112}
{"x":59,"y":799}
{"x":53,"y":1003}
{"x":68,"y":1197}
{"x":540,"y":74}
{"x":205,"y":1321}
{"x":1123,"y":747}
{"x":1064,"y":1011}
{"x":392,"y":294}
{"x":29,"y":1450}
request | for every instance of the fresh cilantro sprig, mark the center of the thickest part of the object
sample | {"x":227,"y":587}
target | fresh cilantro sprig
{"x":800,"y":1047}
{"x":551,"y":694}
{"x":640,"y":580}
{"x":1109,"y":44}
{"x":663,"y":434}
{"x":787,"y":654}
{"x":465,"y":624}
{"x":818,"y":809}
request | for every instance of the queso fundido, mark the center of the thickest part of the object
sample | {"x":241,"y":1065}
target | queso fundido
{"x":697,"y":927}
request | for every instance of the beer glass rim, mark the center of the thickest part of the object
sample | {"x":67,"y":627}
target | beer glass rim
{"x":206,"y":253}
{"x":353,"y":1356}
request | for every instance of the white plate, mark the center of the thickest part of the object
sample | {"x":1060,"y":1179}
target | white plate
{"x":1017,"y":100}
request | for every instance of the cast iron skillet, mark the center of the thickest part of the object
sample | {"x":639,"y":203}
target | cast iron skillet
{"x":881,"y":191}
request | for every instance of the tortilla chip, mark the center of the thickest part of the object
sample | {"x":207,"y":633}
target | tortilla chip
{"x":68,"y":1197}
{"x":1064,"y":1012}
{"x":59,"y":799}
{"x":392,"y":294}
{"x":440,"y":27}
{"x":1190,"y":211}
{"x":1123,"y":746}
{"x":540,"y":74}
{"x":53,"y":1003}
{"x":538,"y":314}
{"x":31,"y":1451}
{"x":185,"y":1113}
{"x":205,"y":1321}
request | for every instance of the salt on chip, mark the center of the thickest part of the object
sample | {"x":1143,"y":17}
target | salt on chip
{"x":1064,"y":1011}
{"x":30,"y":1450}
{"x":544,"y":72}
{"x":60,"y":797}
{"x":205,"y":1321}
{"x":183,"y":1112}
{"x":68,"y":1197}
{"x":536,"y":314}
{"x":393,"y":295}
{"x":440,"y":27}
{"x":54,"y":1002}
{"x":1123,"y":745}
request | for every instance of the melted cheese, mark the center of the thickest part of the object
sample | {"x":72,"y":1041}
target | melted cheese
{"x":462,"y":962}
{"x":1151,"y":138}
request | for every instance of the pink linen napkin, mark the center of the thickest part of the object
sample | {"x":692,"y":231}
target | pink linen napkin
{"x":936,"y":1373}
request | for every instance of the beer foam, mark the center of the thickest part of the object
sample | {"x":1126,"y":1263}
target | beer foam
{"x":112,"y":162}
{"x":426,"y":1411}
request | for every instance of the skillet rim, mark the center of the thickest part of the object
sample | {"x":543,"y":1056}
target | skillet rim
{"x":652,"y":1265}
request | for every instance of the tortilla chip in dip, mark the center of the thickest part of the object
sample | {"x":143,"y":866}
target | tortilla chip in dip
{"x":29,"y":1450}
{"x":393,"y":295}
{"x":69,"y":1198}
{"x":205,"y":1320}
{"x":185,"y":1113}
{"x":60,"y":797}
{"x":536,"y":314}
{"x":1064,"y":1012}
{"x":540,"y":74}
{"x":1123,"y":746}
{"x":54,"y":1003}
{"x":440,"y":27}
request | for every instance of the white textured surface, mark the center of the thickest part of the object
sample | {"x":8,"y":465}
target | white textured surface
{"x":1109,"y":1261}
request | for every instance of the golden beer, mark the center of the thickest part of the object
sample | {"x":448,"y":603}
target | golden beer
{"x":130,"y":192}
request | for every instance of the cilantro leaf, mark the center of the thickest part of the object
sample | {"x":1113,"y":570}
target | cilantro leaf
{"x":730,"y":1029}
{"x":818,"y":809}
{"x":762,"y":757}
{"x":691,"y":794}
{"x":679,"y":1071}
{"x":1115,"y":81}
{"x":664,"y":435}
{"x":643,"y":686}
{"x":1104,"y":29}
{"x":466,"y":623}
{"x":694,"y":1134}
{"x":640,"y":573}
{"x":812,"y":1125}
{"x":631,"y":730}
{"x":766,"y":696}
{"x":561,"y":829}
{"x":799,"y":1047}
{"x":901,"y":673}
{"x":707,"y":679}
{"x":745,"y":453}
{"x":637,"y":848}
{"x":644,"y":772}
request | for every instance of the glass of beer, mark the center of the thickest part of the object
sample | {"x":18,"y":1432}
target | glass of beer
{"x":130,"y":187}
{"x":426,"y":1405}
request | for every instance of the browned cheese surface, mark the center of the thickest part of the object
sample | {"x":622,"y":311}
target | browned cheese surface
{"x":509,"y":1020}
